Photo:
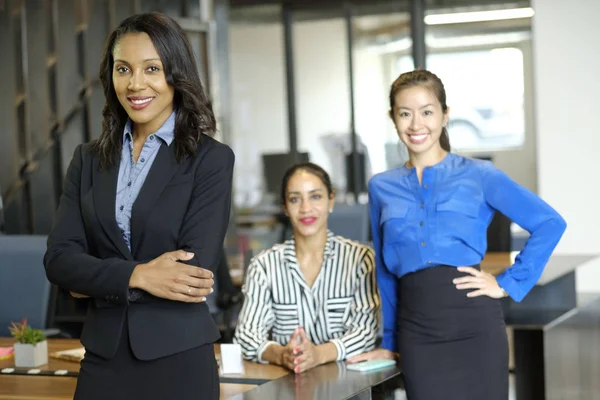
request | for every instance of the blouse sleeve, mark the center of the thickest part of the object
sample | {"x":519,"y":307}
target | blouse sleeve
{"x":256,"y":317}
{"x":363,"y":324}
{"x":533,"y":214}
{"x":386,"y":281}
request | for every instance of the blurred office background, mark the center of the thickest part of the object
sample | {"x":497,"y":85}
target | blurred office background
{"x":308,"y":80}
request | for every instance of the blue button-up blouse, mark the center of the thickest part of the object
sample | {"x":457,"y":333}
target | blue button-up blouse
{"x":444,"y":220}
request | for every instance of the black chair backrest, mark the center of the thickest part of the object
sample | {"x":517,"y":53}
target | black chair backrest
{"x":499,"y":237}
{"x":1,"y":214}
{"x":350,"y":221}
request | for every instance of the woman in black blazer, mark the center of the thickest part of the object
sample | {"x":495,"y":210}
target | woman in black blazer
{"x":141,"y":222}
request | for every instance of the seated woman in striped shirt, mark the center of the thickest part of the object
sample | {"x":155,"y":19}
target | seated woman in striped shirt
{"x":314,"y":298}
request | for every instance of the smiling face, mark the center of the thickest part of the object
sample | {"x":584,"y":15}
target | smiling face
{"x":419,"y":119}
{"x":307,"y":203}
{"x":140,"y":83}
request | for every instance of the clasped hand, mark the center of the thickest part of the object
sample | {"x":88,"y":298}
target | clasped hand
{"x":300,"y":354}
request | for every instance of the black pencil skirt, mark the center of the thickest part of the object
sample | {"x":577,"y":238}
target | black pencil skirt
{"x":189,"y":375}
{"x":451,"y":346}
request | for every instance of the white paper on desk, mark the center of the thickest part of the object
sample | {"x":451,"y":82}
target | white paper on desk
{"x":231,"y":359}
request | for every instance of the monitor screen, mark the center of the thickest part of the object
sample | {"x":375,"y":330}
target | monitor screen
{"x":275,"y":165}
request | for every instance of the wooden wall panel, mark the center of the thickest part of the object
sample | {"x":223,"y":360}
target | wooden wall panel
{"x":37,"y":76}
{"x":42,"y":192}
{"x":70,"y":138}
{"x":69,"y":82}
{"x":8,"y":145}
{"x":97,"y":31}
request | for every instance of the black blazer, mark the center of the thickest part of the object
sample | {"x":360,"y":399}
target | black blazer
{"x":180,"y":206}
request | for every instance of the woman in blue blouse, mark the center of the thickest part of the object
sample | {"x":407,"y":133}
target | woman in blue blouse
{"x":429,"y":220}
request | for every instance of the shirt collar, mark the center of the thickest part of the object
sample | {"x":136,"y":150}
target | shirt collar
{"x":445,"y":162}
{"x":166,"y":132}
{"x":289,"y":251}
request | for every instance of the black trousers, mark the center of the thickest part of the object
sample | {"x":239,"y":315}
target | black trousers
{"x":189,"y":375}
{"x":451,"y":346}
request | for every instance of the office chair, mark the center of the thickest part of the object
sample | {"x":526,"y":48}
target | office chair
{"x":225,"y":299}
{"x":499,"y":236}
{"x":24,"y":288}
{"x":2,"y":230}
{"x":350,"y":221}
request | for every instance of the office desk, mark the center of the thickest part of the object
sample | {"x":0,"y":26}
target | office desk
{"x":259,"y":381}
{"x":23,"y":387}
{"x":552,"y":331}
{"x":54,"y":388}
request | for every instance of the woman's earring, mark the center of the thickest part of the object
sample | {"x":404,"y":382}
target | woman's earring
{"x":330,"y":211}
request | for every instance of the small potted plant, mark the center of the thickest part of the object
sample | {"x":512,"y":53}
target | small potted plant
{"x":32,"y":347}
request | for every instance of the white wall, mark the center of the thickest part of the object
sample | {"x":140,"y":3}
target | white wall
{"x":259,"y":105}
{"x":322,"y":90}
{"x":566,"y":65}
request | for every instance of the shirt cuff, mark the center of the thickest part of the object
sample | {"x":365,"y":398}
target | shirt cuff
{"x":134,"y":295}
{"x":510,"y":286}
{"x":261,"y":350}
{"x":341,"y":349}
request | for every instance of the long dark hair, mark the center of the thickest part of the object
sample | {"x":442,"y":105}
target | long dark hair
{"x":430,"y":81}
{"x":310,"y":168}
{"x":195,"y":116}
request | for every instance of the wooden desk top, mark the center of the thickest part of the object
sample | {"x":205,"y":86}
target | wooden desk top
{"x":20,"y":387}
{"x":326,"y":381}
{"x":23,"y":387}
{"x":53,"y":345}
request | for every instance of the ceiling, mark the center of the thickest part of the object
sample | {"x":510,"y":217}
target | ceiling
{"x":265,"y":11}
{"x":379,"y":20}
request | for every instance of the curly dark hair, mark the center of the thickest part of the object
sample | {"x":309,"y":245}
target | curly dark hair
{"x":194,"y":117}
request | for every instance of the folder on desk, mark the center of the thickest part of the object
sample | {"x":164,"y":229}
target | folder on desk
{"x":75,"y":355}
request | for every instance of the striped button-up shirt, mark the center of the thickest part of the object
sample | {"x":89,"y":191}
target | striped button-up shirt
{"x":342,"y":306}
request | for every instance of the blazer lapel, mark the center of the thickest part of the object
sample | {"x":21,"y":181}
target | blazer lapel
{"x":105,"y":194}
{"x":163,"y":168}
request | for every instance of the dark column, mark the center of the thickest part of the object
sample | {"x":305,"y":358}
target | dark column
{"x":355,"y":177}
{"x":417,"y":31}
{"x":221,"y":16}
{"x":289,"y":76}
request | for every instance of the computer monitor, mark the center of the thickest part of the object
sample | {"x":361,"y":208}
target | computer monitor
{"x":275,"y":165}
